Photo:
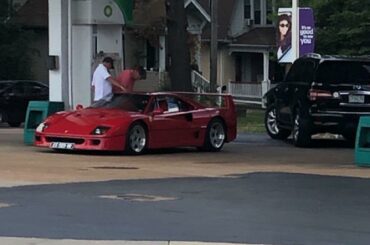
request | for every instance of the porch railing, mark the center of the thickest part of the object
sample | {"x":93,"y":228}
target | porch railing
{"x":200,"y":83}
{"x":246,"y":93}
{"x":243,"y":93}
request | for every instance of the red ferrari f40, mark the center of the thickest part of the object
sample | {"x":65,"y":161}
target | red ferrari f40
{"x":135,"y":122}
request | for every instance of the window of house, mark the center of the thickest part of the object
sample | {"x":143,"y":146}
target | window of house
{"x":257,"y":12}
{"x":247,"y":9}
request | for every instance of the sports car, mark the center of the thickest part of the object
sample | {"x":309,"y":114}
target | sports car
{"x":135,"y":122}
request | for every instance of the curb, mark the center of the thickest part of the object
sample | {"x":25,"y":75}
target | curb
{"x":40,"y":241}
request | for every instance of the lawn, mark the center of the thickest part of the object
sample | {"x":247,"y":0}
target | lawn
{"x":251,"y":121}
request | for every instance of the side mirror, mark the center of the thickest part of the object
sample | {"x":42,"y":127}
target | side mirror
{"x":157,"y":111}
{"x":79,"y":107}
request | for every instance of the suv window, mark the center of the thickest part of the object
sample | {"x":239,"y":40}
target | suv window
{"x":301,"y":71}
{"x":344,"y":72}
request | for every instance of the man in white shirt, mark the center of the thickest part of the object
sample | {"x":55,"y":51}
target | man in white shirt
{"x":102,"y":81}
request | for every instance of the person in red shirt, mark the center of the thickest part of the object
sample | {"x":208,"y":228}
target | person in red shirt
{"x":128,"y":77}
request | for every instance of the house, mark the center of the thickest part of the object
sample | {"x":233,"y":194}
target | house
{"x":246,"y":37}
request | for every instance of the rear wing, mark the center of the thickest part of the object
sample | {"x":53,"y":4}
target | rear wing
{"x":212,"y":100}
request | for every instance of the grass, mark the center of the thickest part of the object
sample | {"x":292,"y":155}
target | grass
{"x":251,"y":121}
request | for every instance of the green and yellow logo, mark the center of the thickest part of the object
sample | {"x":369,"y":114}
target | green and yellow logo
{"x":108,"y":11}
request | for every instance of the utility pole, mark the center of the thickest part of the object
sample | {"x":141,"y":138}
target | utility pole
{"x":295,"y":28}
{"x":213,"y":51}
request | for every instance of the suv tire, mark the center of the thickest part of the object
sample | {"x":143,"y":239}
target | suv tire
{"x":301,"y":129}
{"x":271,"y":125}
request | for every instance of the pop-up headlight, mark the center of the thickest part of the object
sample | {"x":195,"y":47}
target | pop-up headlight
{"x":42,"y":126}
{"x":100,"y":130}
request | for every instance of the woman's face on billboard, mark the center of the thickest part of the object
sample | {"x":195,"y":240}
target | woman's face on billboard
{"x":283,"y":27}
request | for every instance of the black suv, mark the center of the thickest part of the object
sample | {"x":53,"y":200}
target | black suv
{"x":319,"y":94}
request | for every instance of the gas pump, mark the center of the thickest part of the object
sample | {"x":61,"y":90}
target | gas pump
{"x":92,"y":30}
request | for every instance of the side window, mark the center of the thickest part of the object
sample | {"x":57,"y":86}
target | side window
{"x":17,"y":89}
{"x":33,"y":89}
{"x":308,"y":72}
{"x":176,"y":104}
{"x":171,"y":104}
{"x":295,"y":72}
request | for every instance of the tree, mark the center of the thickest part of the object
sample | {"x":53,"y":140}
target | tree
{"x":14,"y":48}
{"x":342,"y":27}
{"x":4,"y":10}
{"x":14,"y":53}
{"x":179,"y":55}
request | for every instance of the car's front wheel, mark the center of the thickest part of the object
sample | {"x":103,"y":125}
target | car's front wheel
{"x":136,"y":139}
{"x":215,"y":136}
{"x":301,"y":130}
{"x":272,"y":127}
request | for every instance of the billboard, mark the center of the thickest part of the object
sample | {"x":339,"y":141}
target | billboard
{"x":285,"y":54}
{"x":306,"y":31}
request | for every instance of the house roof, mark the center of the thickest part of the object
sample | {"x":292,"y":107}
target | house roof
{"x":34,"y":13}
{"x":257,"y":36}
{"x":201,"y":10}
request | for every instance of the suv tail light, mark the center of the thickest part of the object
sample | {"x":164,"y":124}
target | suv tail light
{"x":316,"y":94}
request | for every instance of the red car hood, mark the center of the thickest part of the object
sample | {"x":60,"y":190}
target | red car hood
{"x":84,"y":121}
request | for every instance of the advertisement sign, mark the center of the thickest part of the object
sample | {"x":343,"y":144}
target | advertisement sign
{"x":284,"y":38}
{"x":306,"y":31}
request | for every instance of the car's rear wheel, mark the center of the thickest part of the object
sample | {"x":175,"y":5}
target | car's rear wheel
{"x":136,"y":140}
{"x":215,"y":136}
{"x":301,"y":130}
{"x":272,"y":127}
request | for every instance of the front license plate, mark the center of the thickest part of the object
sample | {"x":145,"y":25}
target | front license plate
{"x":356,"y":99}
{"x":62,"y":145}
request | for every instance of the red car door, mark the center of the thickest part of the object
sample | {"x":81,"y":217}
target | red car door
{"x":171,"y":127}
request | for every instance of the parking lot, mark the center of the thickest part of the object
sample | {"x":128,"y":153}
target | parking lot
{"x":256,"y":191}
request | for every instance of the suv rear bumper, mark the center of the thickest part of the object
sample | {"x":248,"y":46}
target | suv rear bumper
{"x":337,"y":120}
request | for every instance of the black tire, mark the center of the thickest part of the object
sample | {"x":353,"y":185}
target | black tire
{"x":14,"y":124}
{"x":136,"y":139}
{"x":271,"y":125}
{"x":215,"y":136}
{"x":301,"y":129}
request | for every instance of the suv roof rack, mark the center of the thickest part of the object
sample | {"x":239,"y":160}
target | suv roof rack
{"x":312,"y":55}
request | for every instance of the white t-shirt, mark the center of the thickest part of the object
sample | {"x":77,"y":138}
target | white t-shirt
{"x":102,"y":86}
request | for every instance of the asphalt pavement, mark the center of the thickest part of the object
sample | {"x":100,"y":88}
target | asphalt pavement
{"x":236,"y":196}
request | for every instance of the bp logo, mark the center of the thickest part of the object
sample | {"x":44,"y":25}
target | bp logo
{"x":108,"y":11}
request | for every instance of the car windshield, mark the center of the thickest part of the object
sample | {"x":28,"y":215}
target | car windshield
{"x":126,"y":102}
{"x":344,"y":72}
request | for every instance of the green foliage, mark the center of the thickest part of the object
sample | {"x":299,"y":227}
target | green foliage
{"x":3,"y":10}
{"x":342,"y":27}
{"x":14,"y":52}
